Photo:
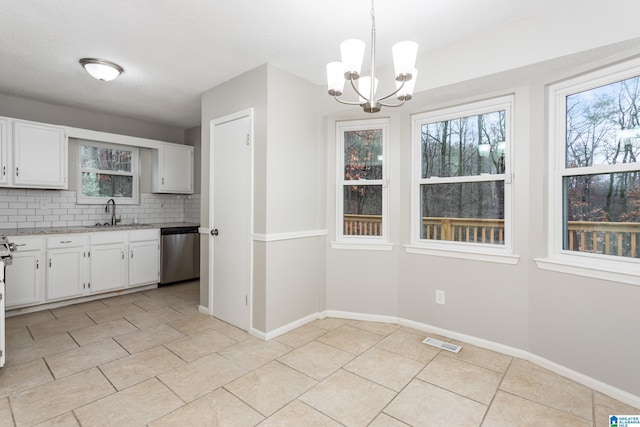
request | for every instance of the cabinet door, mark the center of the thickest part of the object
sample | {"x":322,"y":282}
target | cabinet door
{"x":4,"y":151}
{"x":40,"y":155}
{"x":174,"y":169}
{"x":144,"y":263}
{"x":108,"y":268}
{"x":65,"y":273}
{"x":24,"y":279}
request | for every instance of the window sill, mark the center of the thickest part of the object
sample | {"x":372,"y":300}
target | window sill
{"x":363,"y":246}
{"x":615,"y":271}
{"x":463,"y":253}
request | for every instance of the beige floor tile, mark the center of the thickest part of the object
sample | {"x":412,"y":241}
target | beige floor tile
{"x":423,"y":334}
{"x":316,"y":360}
{"x":199,"y":344}
{"x":329,"y":323}
{"x":85,"y":357}
{"x":56,"y":398}
{"x":540,"y":385}
{"x":60,"y":326}
{"x":480,"y":356}
{"x":39,"y":348}
{"x":21,"y":377}
{"x":465,"y":379}
{"x":602,"y":414}
{"x":300,"y":336}
{"x":350,"y":339}
{"x":253,"y":353}
{"x":198,"y":378}
{"x":64,"y":420}
{"x":137,"y":341}
{"x":6,"y":419}
{"x":155,"y":317}
{"x":17,"y":337}
{"x":385,"y":368}
{"x":195,"y":323}
{"x":187,"y":308}
{"x":348,"y":398}
{"x":379,"y":328}
{"x":135,"y":406}
{"x":114,"y":313}
{"x":422,"y":404}
{"x":619,"y":407}
{"x":75,"y":309}
{"x":297,"y":412}
{"x":13,"y":322}
{"x":140,"y":367}
{"x":150,"y":304}
{"x":219,"y":408}
{"x":102,"y":331}
{"x":508,"y":410}
{"x":270,"y":387}
{"x":125,"y":299}
{"x":231,"y":331}
{"x":408,"y":345}
{"x":384,"y":420}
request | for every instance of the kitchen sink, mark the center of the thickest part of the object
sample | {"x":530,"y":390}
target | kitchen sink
{"x":107,"y":226}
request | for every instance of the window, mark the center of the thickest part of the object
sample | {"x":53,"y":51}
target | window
{"x":107,"y":171}
{"x":361,"y":198}
{"x":595,"y":182}
{"x":461,"y":186}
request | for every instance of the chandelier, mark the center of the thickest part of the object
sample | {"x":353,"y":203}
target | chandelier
{"x":352,"y":53}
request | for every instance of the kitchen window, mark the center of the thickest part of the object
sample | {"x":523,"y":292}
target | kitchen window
{"x":595,"y":175}
{"x":461,"y":187}
{"x":362,"y":190}
{"x":107,"y":172}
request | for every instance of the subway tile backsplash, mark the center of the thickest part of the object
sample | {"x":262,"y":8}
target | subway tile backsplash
{"x":27,"y":208}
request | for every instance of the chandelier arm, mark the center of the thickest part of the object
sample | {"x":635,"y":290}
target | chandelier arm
{"x":393,"y":93}
{"x":359,"y":94}
{"x":392,"y":105}
{"x":345,"y":102}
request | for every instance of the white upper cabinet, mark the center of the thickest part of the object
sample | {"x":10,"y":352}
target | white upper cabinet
{"x":4,"y":151}
{"x":172,"y":169}
{"x":39,"y":155}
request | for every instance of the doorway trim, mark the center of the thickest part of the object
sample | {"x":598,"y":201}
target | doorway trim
{"x":212,"y":124}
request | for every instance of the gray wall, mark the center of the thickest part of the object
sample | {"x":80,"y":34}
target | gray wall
{"x":27,"y":109}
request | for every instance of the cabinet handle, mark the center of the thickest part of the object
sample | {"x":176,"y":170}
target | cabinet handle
{"x":49,"y":262}
{"x":4,"y":170}
{"x":17,"y":171}
{"x":131,"y":254}
{"x":65,"y":241}
{"x":37,"y":264}
{"x":21,"y":244}
{"x":89,"y":285}
{"x":122,"y":252}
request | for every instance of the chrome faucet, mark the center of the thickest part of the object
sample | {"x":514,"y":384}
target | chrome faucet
{"x":114,"y":221}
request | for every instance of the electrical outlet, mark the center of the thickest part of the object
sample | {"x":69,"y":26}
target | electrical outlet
{"x":439,"y":297}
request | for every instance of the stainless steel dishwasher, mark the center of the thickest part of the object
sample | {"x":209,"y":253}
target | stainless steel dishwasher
{"x":179,"y":254}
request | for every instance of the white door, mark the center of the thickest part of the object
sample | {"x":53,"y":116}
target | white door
{"x":229,"y":290}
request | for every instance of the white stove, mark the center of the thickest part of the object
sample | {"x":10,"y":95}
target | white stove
{"x":6,"y":248}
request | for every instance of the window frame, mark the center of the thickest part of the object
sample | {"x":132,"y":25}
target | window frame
{"x":476,"y":251}
{"x":362,"y":242}
{"x":608,"y":267}
{"x":135,"y":174}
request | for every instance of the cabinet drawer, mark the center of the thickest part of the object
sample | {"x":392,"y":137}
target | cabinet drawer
{"x":66,"y":241}
{"x":146,"y":234}
{"x":24,"y":244}
{"x":107,"y":237}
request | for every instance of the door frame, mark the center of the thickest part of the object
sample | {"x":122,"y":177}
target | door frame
{"x":212,"y":124}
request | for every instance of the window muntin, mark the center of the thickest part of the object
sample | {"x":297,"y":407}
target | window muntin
{"x":107,"y":171}
{"x":362,"y":193}
{"x":599,"y":176}
{"x":462,"y":190}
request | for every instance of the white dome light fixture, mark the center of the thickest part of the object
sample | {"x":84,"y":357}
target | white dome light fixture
{"x":352,"y":52}
{"x":102,"y":70}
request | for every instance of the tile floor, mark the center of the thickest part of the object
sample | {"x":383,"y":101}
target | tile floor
{"x":150,"y":358}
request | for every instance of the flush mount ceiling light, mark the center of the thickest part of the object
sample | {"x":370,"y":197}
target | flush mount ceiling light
{"x":100,"y":69}
{"x":352,"y":52}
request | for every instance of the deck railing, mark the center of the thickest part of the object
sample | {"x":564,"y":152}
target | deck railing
{"x":608,"y":238}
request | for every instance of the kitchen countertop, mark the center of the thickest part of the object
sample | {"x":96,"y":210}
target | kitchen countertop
{"x":90,"y":228}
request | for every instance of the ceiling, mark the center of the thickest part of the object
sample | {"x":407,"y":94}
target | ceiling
{"x":172,"y":51}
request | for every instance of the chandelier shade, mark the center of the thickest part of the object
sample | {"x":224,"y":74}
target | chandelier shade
{"x":352,"y":55}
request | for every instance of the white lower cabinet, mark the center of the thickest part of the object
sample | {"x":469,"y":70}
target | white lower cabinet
{"x":24,"y":274}
{"x":66,"y":277}
{"x":144,"y":253}
{"x":108,"y":263}
{"x":65,"y":266}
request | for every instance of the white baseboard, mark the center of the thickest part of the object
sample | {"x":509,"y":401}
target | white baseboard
{"x":202,"y":309}
{"x":585,"y":380}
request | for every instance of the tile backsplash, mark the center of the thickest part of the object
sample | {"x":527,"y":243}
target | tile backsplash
{"x":27,"y":208}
